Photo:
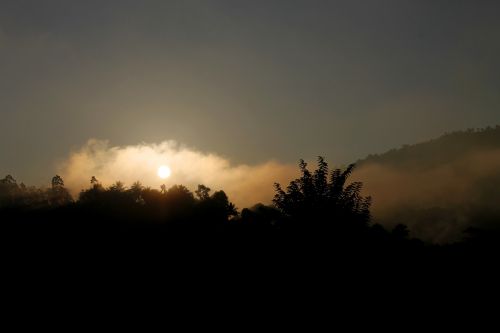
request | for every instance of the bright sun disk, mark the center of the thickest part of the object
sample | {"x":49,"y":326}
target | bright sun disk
{"x":164,"y":172}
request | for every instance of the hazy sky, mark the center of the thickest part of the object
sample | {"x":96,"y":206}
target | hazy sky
{"x":249,"y":80}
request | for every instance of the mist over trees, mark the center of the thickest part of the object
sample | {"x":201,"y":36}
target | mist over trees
{"x":318,"y":214}
{"x":20,"y":196}
{"x":432,"y":202}
{"x":438,"y":188}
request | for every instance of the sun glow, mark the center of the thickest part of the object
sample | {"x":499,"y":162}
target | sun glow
{"x":164,"y":172}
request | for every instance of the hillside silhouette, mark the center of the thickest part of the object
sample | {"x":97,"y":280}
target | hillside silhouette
{"x":447,"y":148}
{"x":438,"y":188}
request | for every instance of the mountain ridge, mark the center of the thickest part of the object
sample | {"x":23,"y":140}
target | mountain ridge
{"x":439,"y":188}
{"x":448,"y":145}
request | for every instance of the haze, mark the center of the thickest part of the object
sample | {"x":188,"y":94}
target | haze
{"x":251,"y":81}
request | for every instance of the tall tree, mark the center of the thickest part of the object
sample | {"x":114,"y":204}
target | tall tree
{"x":58,"y":195}
{"x":323,"y":196}
{"x":57,"y":182}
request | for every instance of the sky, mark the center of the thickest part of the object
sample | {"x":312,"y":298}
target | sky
{"x":253,"y":82}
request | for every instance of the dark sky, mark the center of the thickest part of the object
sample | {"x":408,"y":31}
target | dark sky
{"x":251,"y":80}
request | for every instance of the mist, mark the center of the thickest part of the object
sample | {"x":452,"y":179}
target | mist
{"x":437,"y":201}
{"x":245,"y":185}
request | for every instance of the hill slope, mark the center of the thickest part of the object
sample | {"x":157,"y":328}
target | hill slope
{"x":438,"y":188}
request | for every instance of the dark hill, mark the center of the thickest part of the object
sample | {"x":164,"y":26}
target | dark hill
{"x":448,"y":148}
{"x":439,"y":188}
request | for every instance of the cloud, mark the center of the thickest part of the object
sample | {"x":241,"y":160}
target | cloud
{"x":244,"y":184}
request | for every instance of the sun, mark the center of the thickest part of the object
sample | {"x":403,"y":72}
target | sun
{"x":164,"y":172}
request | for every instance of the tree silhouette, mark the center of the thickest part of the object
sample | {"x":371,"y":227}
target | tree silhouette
{"x":8,"y":180}
{"x":203,"y":192}
{"x":324,"y":197}
{"x":117,"y":187}
{"x":58,"y":195}
{"x":226,"y":208}
{"x":179,"y":202}
{"x":94,"y":182}
{"x":57,"y":182}
{"x":9,"y":191}
{"x":136,"y":192}
{"x":93,"y":193}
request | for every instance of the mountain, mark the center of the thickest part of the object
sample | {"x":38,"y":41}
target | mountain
{"x":439,"y":188}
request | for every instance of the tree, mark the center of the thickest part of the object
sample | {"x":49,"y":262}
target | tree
{"x":117,"y":187}
{"x":8,"y":180}
{"x":136,"y":192}
{"x":179,"y":202}
{"x":323,"y":196}
{"x":58,"y":195}
{"x":57,"y":182}
{"x":93,"y":193}
{"x":9,"y":191}
{"x":203,"y":192}
{"x":226,"y":208}
{"x":180,"y":193}
{"x":94,"y":182}
{"x":136,"y":186}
